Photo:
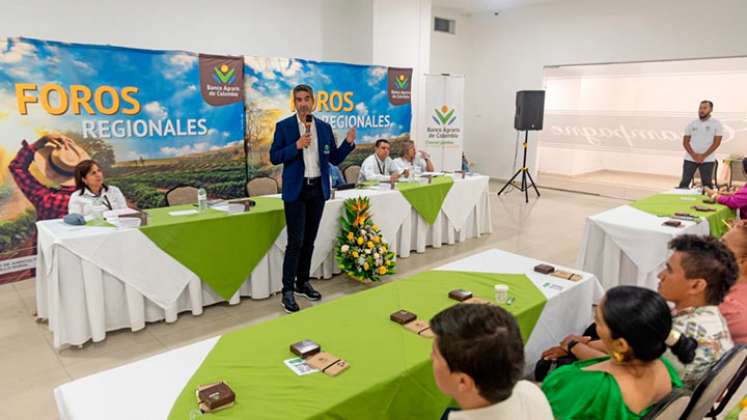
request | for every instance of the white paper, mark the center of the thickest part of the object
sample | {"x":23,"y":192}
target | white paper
{"x":182,"y":212}
{"x":111,"y":213}
{"x":299,"y":366}
{"x":431,"y":173}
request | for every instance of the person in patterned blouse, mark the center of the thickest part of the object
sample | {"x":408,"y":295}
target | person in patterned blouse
{"x":55,"y":156}
{"x":697,"y":276}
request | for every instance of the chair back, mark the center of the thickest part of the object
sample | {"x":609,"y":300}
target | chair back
{"x":181,"y":195}
{"x":718,"y":380}
{"x":671,"y":407}
{"x":262,"y":185}
{"x":351,"y":174}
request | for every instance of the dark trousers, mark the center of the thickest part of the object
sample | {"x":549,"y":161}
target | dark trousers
{"x":706,"y":173}
{"x":302,"y":218}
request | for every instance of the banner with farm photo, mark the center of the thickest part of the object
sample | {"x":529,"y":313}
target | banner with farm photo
{"x":374,"y":99}
{"x":153,"y":120}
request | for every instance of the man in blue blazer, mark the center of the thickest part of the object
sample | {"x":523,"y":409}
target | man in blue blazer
{"x":305,"y":146}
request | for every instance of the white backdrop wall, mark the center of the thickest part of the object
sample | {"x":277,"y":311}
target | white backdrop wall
{"x":335,"y":30}
{"x":507,"y":53}
{"x":631,"y":116}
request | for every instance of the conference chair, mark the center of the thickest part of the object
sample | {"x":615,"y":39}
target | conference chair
{"x":351,"y":174}
{"x":721,"y":382}
{"x":736,"y":171}
{"x":262,"y":185}
{"x":182,"y":194}
{"x":671,"y":407}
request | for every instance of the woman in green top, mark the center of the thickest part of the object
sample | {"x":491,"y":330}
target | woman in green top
{"x":635,"y":324}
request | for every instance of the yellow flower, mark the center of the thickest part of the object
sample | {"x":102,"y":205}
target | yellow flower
{"x":370,"y":245}
{"x":375,"y":227}
{"x":365,"y":266}
{"x":350,"y":236}
{"x":383,"y":249}
{"x":382,"y":270}
{"x":360,"y":240}
{"x":376,"y":239}
{"x":355,"y":254}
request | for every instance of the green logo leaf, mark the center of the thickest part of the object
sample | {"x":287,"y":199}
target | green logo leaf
{"x":224,"y":76}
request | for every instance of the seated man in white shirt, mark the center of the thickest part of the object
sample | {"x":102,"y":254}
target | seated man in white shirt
{"x":91,"y":194}
{"x":411,"y":159}
{"x":379,"y":166}
{"x":478,"y":360}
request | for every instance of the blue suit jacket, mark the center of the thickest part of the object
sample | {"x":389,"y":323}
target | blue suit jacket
{"x":283,"y":150}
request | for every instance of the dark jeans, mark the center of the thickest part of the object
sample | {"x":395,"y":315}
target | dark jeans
{"x":706,"y":173}
{"x":302,"y":218}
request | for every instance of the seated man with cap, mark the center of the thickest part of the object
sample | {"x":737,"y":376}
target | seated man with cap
{"x":379,"y":166}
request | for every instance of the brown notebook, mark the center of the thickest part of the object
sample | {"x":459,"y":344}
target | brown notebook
{"x":216,"y":396}
{"x":420,"y":327}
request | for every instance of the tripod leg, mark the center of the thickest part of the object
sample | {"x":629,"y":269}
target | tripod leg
{"x":509,"y":182}
{"x":533,"y":184}
{"x":526,"y":186}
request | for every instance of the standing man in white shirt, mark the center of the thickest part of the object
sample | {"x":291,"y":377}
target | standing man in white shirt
{"x":702,"y":138}
{"x":379,"y":166}
{"x":411,"y":159}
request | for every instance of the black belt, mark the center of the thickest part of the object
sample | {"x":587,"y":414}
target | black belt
{"x":312,"y":181}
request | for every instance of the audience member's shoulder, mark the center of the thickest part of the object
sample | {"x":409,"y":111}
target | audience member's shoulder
{"x":533,"y":399}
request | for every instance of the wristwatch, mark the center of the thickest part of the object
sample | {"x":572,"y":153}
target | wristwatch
{"x":570,"y":346}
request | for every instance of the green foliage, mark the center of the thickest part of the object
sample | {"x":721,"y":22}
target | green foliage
{"x":14,"y":233}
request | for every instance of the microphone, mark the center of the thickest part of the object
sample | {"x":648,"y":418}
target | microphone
{"x":307,"y":123}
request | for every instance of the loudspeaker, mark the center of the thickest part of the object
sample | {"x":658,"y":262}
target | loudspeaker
{"x":530,"y":110}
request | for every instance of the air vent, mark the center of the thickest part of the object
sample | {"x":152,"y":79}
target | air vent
{"x":444,"y":25}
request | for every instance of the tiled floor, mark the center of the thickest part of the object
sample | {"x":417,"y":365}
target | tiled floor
{"x":549,"y":229}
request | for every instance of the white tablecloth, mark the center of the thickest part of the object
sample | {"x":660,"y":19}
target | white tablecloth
{"x":93,"y":280}
{"x":628,"y":246}
{"x":155,"y":383}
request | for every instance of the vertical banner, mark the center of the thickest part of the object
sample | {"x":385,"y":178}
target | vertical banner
{"x":374,"y":99}
{"x":444,"y":119}
{"x":153,"y":120}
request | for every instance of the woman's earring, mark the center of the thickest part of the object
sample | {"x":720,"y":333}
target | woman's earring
{"x":619,"y":357}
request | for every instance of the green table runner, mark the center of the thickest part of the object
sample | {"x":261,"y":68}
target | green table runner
{"x":427,"y":199}
{"x":665,"y":205}
{"x":390,"y":375}
{"x":220,"y":248}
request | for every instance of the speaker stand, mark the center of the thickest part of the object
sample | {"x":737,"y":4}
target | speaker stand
{"x":524,"y":171}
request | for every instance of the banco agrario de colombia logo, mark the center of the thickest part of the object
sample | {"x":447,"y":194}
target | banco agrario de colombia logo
{"x":221,"y":79}
{"x":402,"y":81}
{"x":224,"y":74}
{"x":398,"y":85}
{"x":444,"y":116}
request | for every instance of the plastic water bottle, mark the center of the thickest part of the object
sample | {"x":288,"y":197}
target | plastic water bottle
{"x":202,"y":203}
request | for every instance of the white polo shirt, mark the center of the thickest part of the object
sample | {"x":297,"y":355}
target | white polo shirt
{"x":527,"y":402}
{"x":310,"y":153}
{"x":701,"y":135}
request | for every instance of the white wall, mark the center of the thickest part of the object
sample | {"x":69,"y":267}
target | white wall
{"x":448,"y":52}
{"x":507,"y":53}
{"x":401,"y":38}
{"x":334,"y":30}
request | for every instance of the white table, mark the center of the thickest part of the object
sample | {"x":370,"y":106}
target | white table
{"x":93,"y":280}
{"x":155,"y":383}
{"x":627,"y":246}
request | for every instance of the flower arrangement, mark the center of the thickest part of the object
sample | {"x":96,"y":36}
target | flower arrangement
{"x":361,"y":251}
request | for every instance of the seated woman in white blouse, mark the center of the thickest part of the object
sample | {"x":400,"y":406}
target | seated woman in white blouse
{"x":91,"y":193}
